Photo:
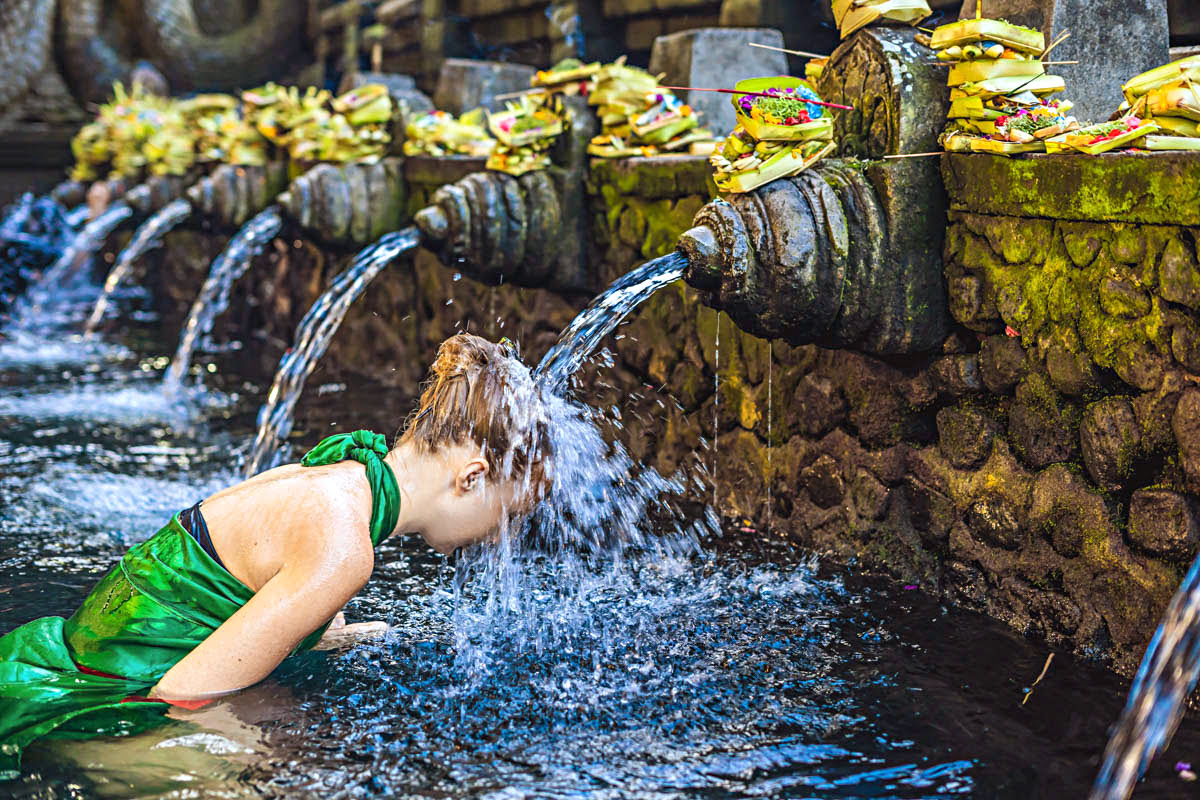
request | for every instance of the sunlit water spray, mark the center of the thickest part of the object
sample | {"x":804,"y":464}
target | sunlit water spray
{"x":32,"y":309}
{"x":78,"y":215}
{"x":214,"y":295}
{"x":604,"y":514}
{"x":148,"y":235}
{"x":313,"y":335}
{"x":33,"y":234}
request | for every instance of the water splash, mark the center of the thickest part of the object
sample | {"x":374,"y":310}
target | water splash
{"x":1158,"y":696}
{"x":313,"y":335}
{"x":17,"y":215}
{"x":90,"y":239}
{"x":579,"y":339}
{"x":213,"y":299}
{"x":33,"y":234}
{"x":533,"y":591}
{"x":148,"y":235}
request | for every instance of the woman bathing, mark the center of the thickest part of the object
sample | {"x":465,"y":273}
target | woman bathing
{"x":215,"y":600}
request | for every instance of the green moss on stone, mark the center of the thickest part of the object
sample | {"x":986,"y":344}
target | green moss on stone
{"x":1089,"y":287}
{"x":1159,"y":188}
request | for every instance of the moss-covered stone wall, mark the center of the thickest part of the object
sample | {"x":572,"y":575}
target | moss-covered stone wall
{"x":1084,"y":307}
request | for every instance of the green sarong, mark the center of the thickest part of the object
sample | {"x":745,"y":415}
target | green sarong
{"x":86,"y":676}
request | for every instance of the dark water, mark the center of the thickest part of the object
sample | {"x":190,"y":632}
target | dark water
{"x":742,"y":670}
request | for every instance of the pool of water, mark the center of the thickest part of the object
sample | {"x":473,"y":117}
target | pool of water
{"x":745,"y":669}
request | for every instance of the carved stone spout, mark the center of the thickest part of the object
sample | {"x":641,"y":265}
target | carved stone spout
{"x":232,"y":194}
{"x":348,"y":204}
{"x":156,"y":192}
{"x":501,"y":229}
{"x":815,"y":259}
{"x":529,"y":230}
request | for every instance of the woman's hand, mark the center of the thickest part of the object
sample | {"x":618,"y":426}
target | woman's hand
{"x":337,"y":636}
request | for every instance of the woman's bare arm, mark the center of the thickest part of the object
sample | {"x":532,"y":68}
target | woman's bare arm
{"x":327,"y":570}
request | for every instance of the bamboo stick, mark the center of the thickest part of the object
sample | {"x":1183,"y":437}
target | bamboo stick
{"x":1044,"y":63}
{"x":519,"y":93}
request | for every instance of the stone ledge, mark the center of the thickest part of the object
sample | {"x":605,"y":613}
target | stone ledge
{"x":1152,"y":188}
{"x":653,"y":177}
{"x":440,"y":170}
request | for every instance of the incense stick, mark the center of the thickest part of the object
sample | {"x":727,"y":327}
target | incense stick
{"x":1062,"y":37}
{"x":804,"y":53}
{"x":756,"y":94}
{"x":917,"y":155}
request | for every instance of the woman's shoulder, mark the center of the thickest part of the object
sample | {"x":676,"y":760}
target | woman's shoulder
{"x":322,"y":511}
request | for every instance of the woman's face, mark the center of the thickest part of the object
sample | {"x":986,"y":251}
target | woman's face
{"x":473,"y":511}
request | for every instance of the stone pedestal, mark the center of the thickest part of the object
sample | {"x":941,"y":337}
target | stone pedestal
{"x":716,"y":58}
{"x":396,"y":82}
{"x":464,"y":83}
{"x":1113,"y":40}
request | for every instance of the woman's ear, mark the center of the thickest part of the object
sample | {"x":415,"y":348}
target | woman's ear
{"x":472,"y":475}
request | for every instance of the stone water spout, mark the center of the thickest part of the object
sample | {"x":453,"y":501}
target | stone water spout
{"x":528,"y":230}
{"x":822,"y":258}
{"x":348,"y":204}
{"x":501,"y":229}
{"x":232,"y":194}
{"x":156,"y":192}
{"x":847,"y":254}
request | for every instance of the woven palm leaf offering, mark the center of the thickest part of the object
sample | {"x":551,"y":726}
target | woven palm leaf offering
{"x":1168,"y":97}
{"x":207,"y":115}
{"x":134,"y":134}
{"x":999,"y":88}
{"x":640,"y":118}
{"x":275,"y":111}
{"x":525,"y":132}
{"x":569,"y":76}
{"x":850,"y":15}
{"x":779,"y":133}
{"x":354,"y":130}
{"x":438,"y":133}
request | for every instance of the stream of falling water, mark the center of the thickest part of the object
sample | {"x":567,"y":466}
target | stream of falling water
{"x":579,"y":339}
{"x":1158,"y":696}
{"x":213,"y":299}
{"x":313,"y":335}
{"x":90,"y":239}
{"x":716,"y":403}
{"x":770,"y":411}
{"x":148,"y":235}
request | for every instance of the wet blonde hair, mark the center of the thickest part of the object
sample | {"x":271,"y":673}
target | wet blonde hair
{"x":480,"y":391}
